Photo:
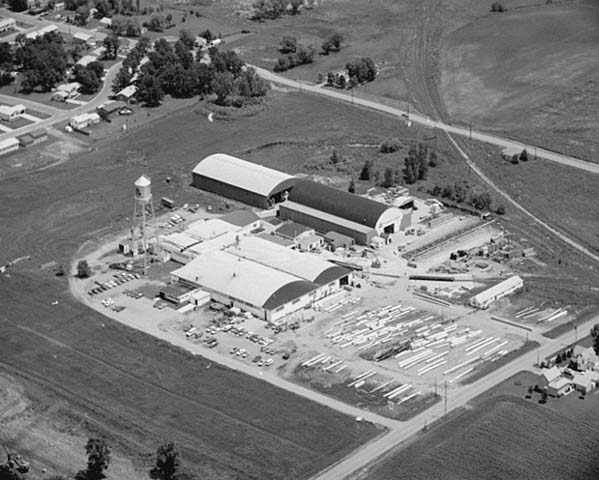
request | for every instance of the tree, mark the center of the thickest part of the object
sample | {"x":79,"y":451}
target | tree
{"x":498,"y":7}
{"x":156,"y":23}
{"x":83,"y":269}
{"x":125,"y":26}
{"x":149,"y":90}
{"x":422,"y":161}
{"x":387,"y":178}
{"x":43,"y":62}
{"x":167,"y":463}
{"x":183,"y":54}
{"x":326,"y":47}
{"x":389,"y":146}
{"x":98,"y":458}
{"x":330,"y":78}
{"x":352,"y":186}
{"x":282,"y":64}
{"x":295,"y":6}
{"x":169,"y":19}
{"x":336,"y":39}
{"x":366,"y":172}
{"x":250,"y":84}
{"x":7,"y":59}
{"x":122,"y":79}
{"x":81,"y":15}
{"x":111,"y":46}
{"x":206,"y":35}
{"x":88,"y":78}
{"x":288,"y":44}
{"x":364,"y":69}
{"x":524,"y":156}
{"x":411,"y":168}
{"x":515,"y":158}
{"x":222,"y":86}
{"x":335,"y":158}
{"x":340,"y":81}
{"x":595,"y":335}
{"x":18,"y":5}
{"x":187,"y":38}
{"x":500,"y":210}
{"x":432,"y":160}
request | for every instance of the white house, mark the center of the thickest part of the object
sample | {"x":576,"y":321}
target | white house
{"x":7,"y":24}
{"x":84,"y":120}
{"x":106,"y":22}
{"x":127,"y":93}
{"x":10,"y":113}
{"x":81,"y":37}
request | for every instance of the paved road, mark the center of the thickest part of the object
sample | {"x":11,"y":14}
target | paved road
{"x":357,"y":461}
{"x":59,"y":115}
{"x":504,"y":143}
{"x":39,"y":23}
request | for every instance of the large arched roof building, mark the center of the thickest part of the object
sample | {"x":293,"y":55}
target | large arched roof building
{"x":329,"y":209}
{"x":241,"y":180}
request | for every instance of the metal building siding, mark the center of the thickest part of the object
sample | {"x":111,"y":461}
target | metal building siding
{"x":321,"y":225}
{"x":229,"y":191}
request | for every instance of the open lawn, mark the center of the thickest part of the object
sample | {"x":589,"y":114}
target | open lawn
{"x":17,"y":123}
{"x":506,"y":437}
{"x":529,"y":73}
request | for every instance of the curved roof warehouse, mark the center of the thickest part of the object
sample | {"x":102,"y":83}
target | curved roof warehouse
{"x":266,"y":292}
{"x":241,"y":180}
{"x":329,"y":209}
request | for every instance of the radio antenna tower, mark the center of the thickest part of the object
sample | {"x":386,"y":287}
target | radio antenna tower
{"x":143,"y":218}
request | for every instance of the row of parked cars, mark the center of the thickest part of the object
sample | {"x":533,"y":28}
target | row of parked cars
{"x":119,"y":279}
{"x":110,"y":303}
{"x":258,"y":360}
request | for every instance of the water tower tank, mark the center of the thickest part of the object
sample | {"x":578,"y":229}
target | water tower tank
{"x":143,"y":188}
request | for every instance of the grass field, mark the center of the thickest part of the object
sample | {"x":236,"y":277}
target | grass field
{"x":505,"y":436}
{"x":529,"y":73}
{"x":130,"y":385}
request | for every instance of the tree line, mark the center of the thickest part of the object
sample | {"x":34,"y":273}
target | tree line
{"x":295,"y":53}
{"x":175,"y":71}
{"x":360,"y":70}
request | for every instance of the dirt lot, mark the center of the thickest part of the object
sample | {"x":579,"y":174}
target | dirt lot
{"x":509,"y":436}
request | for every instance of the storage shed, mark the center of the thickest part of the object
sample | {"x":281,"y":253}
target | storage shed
{"x":241,"y":180}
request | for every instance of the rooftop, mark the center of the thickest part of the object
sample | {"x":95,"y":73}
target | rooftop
{"x":209,"y":229}
{"x":244,"y":280}
{"x":327,"y":217}
{"x":240,"y":218}
{"x":303,"y":265}
{"x":242,"y":174}
{"x":292,"y":230}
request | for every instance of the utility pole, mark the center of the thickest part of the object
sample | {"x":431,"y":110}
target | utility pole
{"x":352,"y":95}
{"x":470,"y":129}
{"x":435,"y":386}
{"x":535,"y":152}
{"x":408,"y":112}
{"x":575,"y":333}
{"x":445,"y":408}
{"x":300,"y":84}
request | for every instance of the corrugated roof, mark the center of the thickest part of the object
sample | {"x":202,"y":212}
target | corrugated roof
{"x":328,"y":217}
{"x":303,"y":265}
{"x":244,"y":280}
{"x":338,"y":202}
{"x":243,"y":174}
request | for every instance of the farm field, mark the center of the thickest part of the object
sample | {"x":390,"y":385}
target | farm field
{"x":505,"y":436}
{"x":145,"y":390}
{"x":528,"y":73}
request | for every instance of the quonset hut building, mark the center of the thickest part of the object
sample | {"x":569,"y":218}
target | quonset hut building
{"x":328,"y":209}
{"x":241,"y":180}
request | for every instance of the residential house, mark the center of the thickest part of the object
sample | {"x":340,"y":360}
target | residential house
{"x":11,"y":113}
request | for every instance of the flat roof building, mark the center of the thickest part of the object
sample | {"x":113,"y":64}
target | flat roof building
{"x":241,"y":180}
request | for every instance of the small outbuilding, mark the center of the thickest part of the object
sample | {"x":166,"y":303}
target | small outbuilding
{"x":9,"y":145}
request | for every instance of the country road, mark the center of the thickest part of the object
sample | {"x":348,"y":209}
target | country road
{"x":504,"y":143}
{"x":354,"y":464}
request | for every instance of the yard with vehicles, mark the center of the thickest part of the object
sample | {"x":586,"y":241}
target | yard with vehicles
{"x":507,"y":434}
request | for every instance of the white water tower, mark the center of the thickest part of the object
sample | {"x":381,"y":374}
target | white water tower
{"x":143,"y":218}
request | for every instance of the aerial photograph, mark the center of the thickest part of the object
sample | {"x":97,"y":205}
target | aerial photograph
{"x":299,"y":239}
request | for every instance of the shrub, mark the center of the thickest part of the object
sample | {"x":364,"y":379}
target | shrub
{"x":389,"y":146}
{"x":498,"y":7}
